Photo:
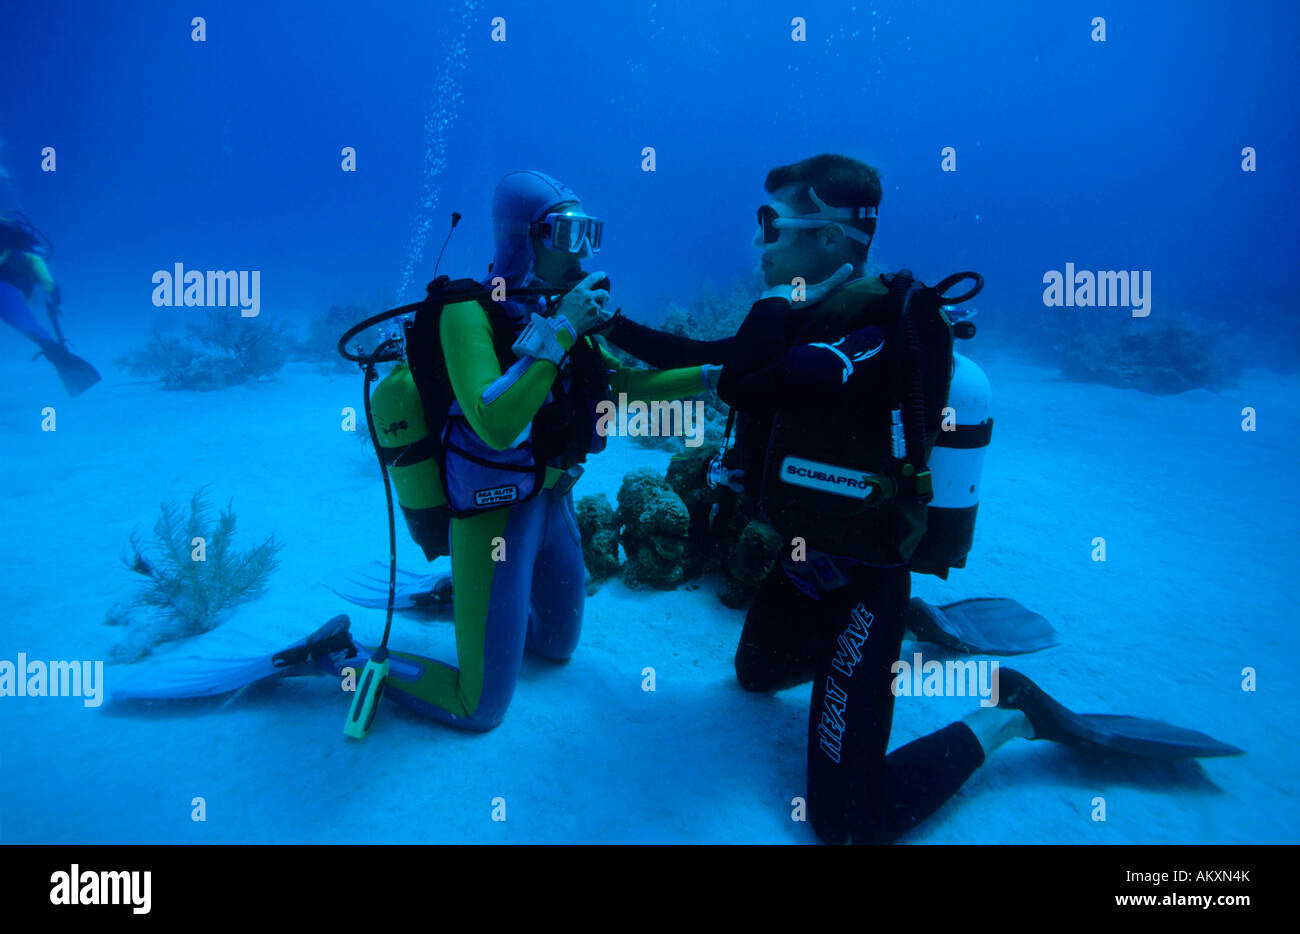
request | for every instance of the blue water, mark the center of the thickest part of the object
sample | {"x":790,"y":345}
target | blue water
{"x":1109,"y":155}
{"x":226,"y":154}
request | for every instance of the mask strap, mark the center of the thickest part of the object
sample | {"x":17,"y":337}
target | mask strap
{"x":849,"y":214}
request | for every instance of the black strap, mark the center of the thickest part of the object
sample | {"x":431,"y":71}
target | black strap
{"x":609,"y":322}
{"x":731,"y":423}
{"x":407,"y":455}
{"x":967,"y":437}
{"x":907,"y":377}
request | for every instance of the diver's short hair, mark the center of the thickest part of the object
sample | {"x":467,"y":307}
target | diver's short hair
{"x":840,"y":181}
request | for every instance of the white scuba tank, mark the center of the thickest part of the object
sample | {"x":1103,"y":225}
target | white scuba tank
{"x":956,"y":464}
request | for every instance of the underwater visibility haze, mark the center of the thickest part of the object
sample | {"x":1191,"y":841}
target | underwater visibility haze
{"x":709,"y":523}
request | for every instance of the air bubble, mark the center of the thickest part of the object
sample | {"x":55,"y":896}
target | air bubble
{"x":442,"y":116}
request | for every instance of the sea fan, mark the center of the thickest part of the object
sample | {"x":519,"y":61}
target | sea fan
{"x":191,"y":584}
{"x":217,"y":350}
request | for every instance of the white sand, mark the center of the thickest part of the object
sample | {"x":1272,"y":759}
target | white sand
{"x":1199,"y":520}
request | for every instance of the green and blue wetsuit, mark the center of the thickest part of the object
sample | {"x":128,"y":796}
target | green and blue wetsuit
{"x":517,"y":570}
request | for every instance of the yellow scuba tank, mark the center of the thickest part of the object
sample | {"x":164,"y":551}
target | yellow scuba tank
{"x":412,"y":460}
{"x":408,"y":453}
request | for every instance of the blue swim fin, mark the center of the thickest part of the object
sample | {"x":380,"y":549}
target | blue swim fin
{"x":76,"y":374}
{"x":368,"y":586}
{"x":219,"y":662}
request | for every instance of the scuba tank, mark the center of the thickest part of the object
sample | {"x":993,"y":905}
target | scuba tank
{"x":402,"y":442}
{"x":956,"y":463}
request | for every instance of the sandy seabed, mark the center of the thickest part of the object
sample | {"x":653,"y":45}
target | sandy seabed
{"x":1200,"y":523}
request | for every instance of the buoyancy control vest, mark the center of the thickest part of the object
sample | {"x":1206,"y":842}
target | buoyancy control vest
{"x":439,"y":470}
{"x":857,"y":483}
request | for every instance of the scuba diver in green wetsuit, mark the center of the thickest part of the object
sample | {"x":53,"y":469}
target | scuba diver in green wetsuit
{"x":523,"y":381}
{"x":23,"y":251}
{"x":497,"y":396}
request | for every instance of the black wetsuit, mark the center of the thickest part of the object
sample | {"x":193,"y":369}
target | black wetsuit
{"x":842,"y":628}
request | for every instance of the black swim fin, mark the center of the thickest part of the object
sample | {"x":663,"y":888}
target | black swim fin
{"x":981,"y":626}
{"x":76,"y":374}
{"x":1098,"y":732}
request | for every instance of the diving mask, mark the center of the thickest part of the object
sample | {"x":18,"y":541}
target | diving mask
{"x":568,"y":232}
{"x":772,"y":222}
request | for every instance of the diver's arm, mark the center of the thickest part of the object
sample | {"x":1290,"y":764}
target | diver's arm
{"x":42,"y":273}
{"x":844,"y":368}
{"x":662,"y":350}
{"x":653,"y":385}
{"x":498,"y":406}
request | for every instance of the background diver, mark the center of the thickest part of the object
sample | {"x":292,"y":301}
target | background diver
{"x":23,"y":251}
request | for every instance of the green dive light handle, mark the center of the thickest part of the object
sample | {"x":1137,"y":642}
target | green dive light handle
{"x":369,"y":692}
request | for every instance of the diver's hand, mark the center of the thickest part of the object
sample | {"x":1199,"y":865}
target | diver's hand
{"x":711,"y":372}
{"x":812,"y":293}
{"x":584,"y":306}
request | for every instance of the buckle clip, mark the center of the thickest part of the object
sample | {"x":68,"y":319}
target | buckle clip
{"x":566,"y":482}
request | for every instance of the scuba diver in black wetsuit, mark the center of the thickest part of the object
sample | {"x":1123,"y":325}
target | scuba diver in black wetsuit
{"x":23,"y":250}
{"x":833,"y":368}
